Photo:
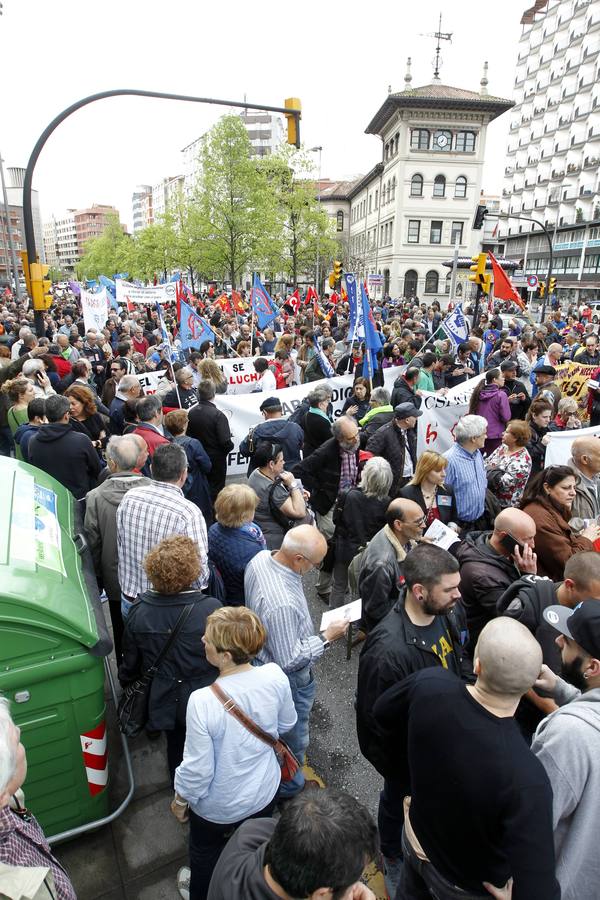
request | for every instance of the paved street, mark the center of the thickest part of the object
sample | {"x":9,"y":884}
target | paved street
{"x":137,"y":857}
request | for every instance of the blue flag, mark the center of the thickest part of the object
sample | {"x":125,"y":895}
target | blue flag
{"x":372,"y":337}
{"x":91,"y":283}
{"x":111,"y":289}
{"x":193,"y":329}
{"x":264,"y":308}
{"x":350,"y":280}
{"x":325,"y":364}
{"x":455,"y":326}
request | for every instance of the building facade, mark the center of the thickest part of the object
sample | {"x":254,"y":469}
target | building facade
{"x":64,"y":238}
{"x":166,"y":193}
{"x":553,"y":152}
{"x":14,"y":196}
{"x":142,"y":208}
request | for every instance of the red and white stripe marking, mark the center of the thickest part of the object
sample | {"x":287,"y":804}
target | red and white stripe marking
{"x":95,"y":758}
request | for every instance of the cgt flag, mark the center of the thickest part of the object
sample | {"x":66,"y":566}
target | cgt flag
{"x":455,"y":326}
{"x":350,"y":280}
{"x":262,"y":305}
{"x":311,"y":294}
{"x":193,"y":329}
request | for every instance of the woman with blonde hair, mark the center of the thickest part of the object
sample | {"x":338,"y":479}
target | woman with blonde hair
{"x":209,"y":370}
{"x":227,"y":774}
{"x":235,"y":539}
{"x":18,"y":391}
{"x":427,"y":488}
{"x":285,"y":342}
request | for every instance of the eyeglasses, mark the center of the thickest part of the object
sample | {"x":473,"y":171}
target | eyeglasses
{"x":313,"y":565}
{"x":418,"y":522}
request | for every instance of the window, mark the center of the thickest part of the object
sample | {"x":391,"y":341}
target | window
{"x":370,"y":203}
{"x":439,"y":186}
{"x":414,"y":231}
{"x":460,"y":188}
{"x":431,"y":282}
{"x":394,"y":188}
{"x":457,"y":232}
{"x":419,"y":139}
{"x":396,"y":142}
{"x":376,"y":199}
{"x":435,"y":233}
{"x":442,"y":140}
{"x":416,"y":186}
{"x":391,"y":231}
{"x":465,"y":141}
{"x":410,"y":283}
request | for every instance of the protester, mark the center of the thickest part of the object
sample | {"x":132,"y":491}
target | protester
{"x":566,"y":418}
{"x":380,"y":413}
{"x":266,"y":382}
{"x":196,"y":488}
{"x":357,"y":405}
{"x":209,"y":425}
{"x":516,"y":391}
{"x":183,"y":395}
{"x":405,"y":388}
{"x":316,"y":368}
{"x":585,"y":462}
{"x":509,"y":466}
{"x":427,"y":488}
{"x":235,"y":538}
{"x":277,"y":430}
{"x":36,"y":416}
{"x":317,"y":423}
{"x":84,"y":415}
{"x":281,"y":500}
{"x":20,"y":393}
{"x":128,"y":388}
{"x":489,"y":400}
{"x":397,"y":442}
{"x":538,"y":418}
{"x":465,"y":472}
{"x":210,"y":370}
{"x":149,"y":426}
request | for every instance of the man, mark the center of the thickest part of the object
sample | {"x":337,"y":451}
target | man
{"x":210,"y":426}
{"x":381,"y":413}
{"x":589,"y":355}
{"x":547,"y":389}
{"x":567,"y":744}
{"x":380,"y":577}
{"x":397,"y":442}
{"x":352,"y":361}
{"x":462,"y":367}
{"x":585,"y":462}
{"x":118,"y":368}
{"x":36,"y":416}
{"x":266,"y":381}
{"x":287,"y":857}
{"x":330,"y":469}
{"x":139,"y":342}
{"x":268,"y":345}
{"x":425,"y":628}
{"x":314,"y":369}
{"x":507,"y":347}
{"x":185,"y":395}
{"x":67,"y":455}
{"x":93,"y":352}
{"x":465,"y":472}
{"x":150,"y":427}
{"x":277,"y":430}
{"x":15,"y":350}
{"x":128,"y":388}
{"x":27,"y":866}
{"x":274,"y":591}
{"x":500,"y":829}
{"x":405,"y":388}
{"x":551,"y":359}
{"x":148,"y":514}
{"x":122,"y":455}
{"x":66,"y":349}
{"x":516,"y":391}
{"x":425,"y":380}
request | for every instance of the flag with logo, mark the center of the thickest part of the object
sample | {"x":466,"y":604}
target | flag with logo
{"x":311,"y":296}
{"x":456,"y":326}
{"x":293,"y":301}
{"x":372,"y":336}
{"x":350,"y":280}
{"x":193,"y":329}
{"x":262,"y":305}
{"x":223,"y":303}
{"x":324,"y":362}
{"x":237,"y":303}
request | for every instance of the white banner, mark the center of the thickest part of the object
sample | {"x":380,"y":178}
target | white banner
{"x":435,"y":428}
{"x":159,"y":293}
{"x":95,"y":309}
{"x":558,"y":449}
{"x":150,"y":381}
{"x":240,"y":374}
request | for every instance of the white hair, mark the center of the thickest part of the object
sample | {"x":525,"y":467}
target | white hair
{"x":376,"y":477}
{"x":8,"y":749}
{"x":31,"y":366}
{"x":469,"y":427}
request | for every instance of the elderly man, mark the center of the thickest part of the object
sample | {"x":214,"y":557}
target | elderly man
{"x":465,"y":471}
{"x":380,"y":413}
{"x":122,"y":454}
{"x":93,"y":352}
{"x":397,"y":442}
{"x":128,"y":388}
{"x":184,"y":396}
{"x":150,"y":427}
{"x":490,"y":561}
{"x":585,"y":462}
{"x":551,"y":358}
{"x":211,"y":427}
{"x":547,"y":389}
{"x":274,"y":591}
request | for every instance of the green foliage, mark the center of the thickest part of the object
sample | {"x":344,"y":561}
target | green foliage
{"x":106,"y":254}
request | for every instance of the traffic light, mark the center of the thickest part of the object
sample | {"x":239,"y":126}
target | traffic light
{"x":293,"y":121}
{"x":331,"y":280}
{"x":479,"y":268}
{"x":551,"y":285}
{"x":486,"y":284}
{"x":41,"y":286}
{"x":541,"y":288}
{"x":26,"y":273}
{"x":480,"y":214}
{"x":337,"y":270}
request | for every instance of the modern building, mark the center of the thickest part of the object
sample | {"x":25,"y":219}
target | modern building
{"x":64,"y":238}
{"x":553,"y":152}
{"x":408,"y":213}
{"x":141,"y":203}
{"x":14,"y":196}
{"x":165,"y":193}
{"x":92,"y":222}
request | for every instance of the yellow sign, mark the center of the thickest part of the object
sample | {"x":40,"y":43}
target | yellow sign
{"x":572,"y":378}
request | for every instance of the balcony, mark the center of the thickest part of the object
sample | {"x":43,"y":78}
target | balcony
{"x":556,"y":176}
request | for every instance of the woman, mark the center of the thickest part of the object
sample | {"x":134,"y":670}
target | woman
{"x":209,"y":370}
{"x":196,"y":487}
{"x":427,"y":488}
{"x":306,"y":352}
{"x":358,"y":515}
{"x":5,"y":359}
{"x":509,"y":466}
{"x":566,"y":418}
{"x":85,"y":417}
{"x":234,"y":539}
{"x":358,"y":403}
{"x":227,"y":774}
{"x":316,"y":424}
{"x":283,"y":369}
{"x":392,"y":356}
{"x":243,"y":349}
{"x":285,"y":342}
{"x":538,"y":418}
{"x":172,"y":567}
{"x":280,"y":496}
{"x":489,"y":400}
{"x":19,"y":391}
{"x":207,"y":349}
{"x":548,"y":499}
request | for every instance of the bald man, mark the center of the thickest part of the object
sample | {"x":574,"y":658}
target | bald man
{"x":585,"y":462}
{"x":274,"y":591}
{"x":490,"y":561}
{"x":481,"y":803}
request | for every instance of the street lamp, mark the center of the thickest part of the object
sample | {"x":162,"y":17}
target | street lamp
{"x":318,"y":150}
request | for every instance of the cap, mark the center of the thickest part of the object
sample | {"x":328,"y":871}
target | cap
{"x":545,"y":370}
{"x":581,"y":624}
{"x":508,"y":365}
{"x":405,"y":410}
{"x":270,"y":403}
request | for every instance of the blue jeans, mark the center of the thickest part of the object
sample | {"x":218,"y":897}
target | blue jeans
{"x":303,"y":686}
{"x":421,"y":881}
{"x":125,"y":606}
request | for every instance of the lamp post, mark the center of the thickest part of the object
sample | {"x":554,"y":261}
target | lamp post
{"x":318,"y":150}
{"x":550,"y":251}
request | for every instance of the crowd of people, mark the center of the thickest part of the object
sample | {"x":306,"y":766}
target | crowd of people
{"x":479,"y":660}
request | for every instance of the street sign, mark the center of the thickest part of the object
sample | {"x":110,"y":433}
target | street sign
{"x":532,"y":281}
{"x":375,"y":279}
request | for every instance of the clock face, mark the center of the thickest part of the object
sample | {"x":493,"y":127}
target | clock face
{"x":441,"y":139}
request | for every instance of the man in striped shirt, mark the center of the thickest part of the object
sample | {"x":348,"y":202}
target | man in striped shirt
{"x":466,"y":471}
{"x":274,"y":591}
{"x":148,"y":514}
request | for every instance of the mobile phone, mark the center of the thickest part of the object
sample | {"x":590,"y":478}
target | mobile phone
{"x":509,"y":543}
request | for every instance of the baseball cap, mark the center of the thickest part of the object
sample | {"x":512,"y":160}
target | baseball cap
{"x":581,"y":624}
{"x":405,"y":410}
{"x":270,"y":403}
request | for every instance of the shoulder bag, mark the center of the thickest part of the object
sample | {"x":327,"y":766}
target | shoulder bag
{"x":287,"y":761}
{"x":132,"y":711}
{"x":282,"y":520}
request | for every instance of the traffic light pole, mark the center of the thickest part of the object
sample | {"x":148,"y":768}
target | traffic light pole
{"x":548,"y":238}
{"x":104,"y":95}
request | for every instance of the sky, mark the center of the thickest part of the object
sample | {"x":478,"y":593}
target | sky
{"x":338,"y":58}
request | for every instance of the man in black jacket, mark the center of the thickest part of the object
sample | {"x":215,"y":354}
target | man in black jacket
{"x":397,"y":442}
{"x":517,"y":393}
{"x":425,"y":628}
{"x":210,"y":426}
{"x":63,"y":453}
{"x":277,"y":430}
{"x":405,"y":388}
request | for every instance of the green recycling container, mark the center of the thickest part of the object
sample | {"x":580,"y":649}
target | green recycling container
{"x":53,"y":638}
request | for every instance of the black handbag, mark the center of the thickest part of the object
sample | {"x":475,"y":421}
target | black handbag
{"x":132,"y":711}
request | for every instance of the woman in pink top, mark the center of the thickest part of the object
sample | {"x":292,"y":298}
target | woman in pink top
{"x":490,"y":401}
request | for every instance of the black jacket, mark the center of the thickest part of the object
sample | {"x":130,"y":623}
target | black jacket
{"x":445,"y":500}
{"x":373,"y":425}
{"x":66,"y":455}
{"x":380,"y":579}
{"x":317,"y":430}
{"x":185,"y":669}
{"x":278,"y":431}
{"x":525,"y":600}
{"x":391,"y":653}
{"x":320,"y":474}
{"x":537,"y":450}
{"x":518,"y":408}
{"x":388,"y":441}
{"x":209,"y":425}
{"x":403,"y":393}
{"x":357,"y":519}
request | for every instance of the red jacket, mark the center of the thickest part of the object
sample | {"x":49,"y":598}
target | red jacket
{"x":152,"y":437}
{"x":63,"y":366}
{"x":140,"y":346}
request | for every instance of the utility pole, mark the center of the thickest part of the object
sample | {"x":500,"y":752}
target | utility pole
{"x":454,"y":268}
{"x":317,"y":279}
{"x":11,"y":246}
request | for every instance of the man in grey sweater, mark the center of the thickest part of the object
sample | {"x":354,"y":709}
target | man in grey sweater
{"x":568,"y":745}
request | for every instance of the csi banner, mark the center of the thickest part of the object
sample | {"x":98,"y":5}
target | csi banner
{"x":435,"y":428}
{"x":573,"y":377}
{"x":95,"y":309}
{"x":159,"y":293}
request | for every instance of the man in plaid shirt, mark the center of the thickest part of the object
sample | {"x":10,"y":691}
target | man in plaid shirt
{"x":148,"y":514}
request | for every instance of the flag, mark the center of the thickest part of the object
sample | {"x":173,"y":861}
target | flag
{"x":352,"y":303}
{"x":166,"y":337}
{"x":455,"y":326}
{"x":311,"y":294}
{"x":324,"y":362}
{"x":262,"y":305}
{"x":344,"y":296}
{"x":372,"y":338}
{"x":211,"y":290}
{"x":178,"y":300}
{"x":335,"y":297}
{"x":293,"y":301}
{"x":193,"y":329}
{"x":222,"y":301}
{"x":75,"y":288}
{"x":503,"y":286}
{"x":237,"y":302}
{"x":111,"y":290}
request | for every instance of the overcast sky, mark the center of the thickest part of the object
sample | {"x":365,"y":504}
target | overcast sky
{"x":338,"y":58}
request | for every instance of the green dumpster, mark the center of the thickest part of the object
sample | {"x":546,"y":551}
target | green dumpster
{"x":53,"y":638}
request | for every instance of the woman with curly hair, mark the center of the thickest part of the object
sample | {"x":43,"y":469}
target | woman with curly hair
{"x":85,"y":417}
{"x":209,"y":370}
{"x":172,"y":567}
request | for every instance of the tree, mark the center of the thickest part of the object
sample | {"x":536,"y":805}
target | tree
{"x":153,"y":251}
{"x":106,"y":254}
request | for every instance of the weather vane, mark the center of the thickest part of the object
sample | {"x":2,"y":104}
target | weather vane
{"x":439,"y":36}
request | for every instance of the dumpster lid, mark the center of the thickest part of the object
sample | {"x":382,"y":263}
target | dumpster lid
{"x":41,"y":578}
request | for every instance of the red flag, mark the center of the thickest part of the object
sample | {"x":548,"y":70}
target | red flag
{"x":503,"y":286}
{"x":211,"y":290}
{"x":223,"y":302}
{"x":335,"y":297}
{"x":238,"y":303}
{"x":311,"y":295}
{"x":344,"y":296}
{"x":178,"y":299}
{"x":294,"y":301}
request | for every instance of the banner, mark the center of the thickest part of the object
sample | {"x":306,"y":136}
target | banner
{"x":149,"y":381}
{"x":159,"y":293}
{"x":558,"y":449}
{"x":95,"y":309}
{"x":240,"y":374}
{"x":455,"y":326}
{"x":435,"y":428}
{"x":572,"y":378}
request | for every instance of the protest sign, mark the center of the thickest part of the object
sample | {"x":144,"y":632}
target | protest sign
{"x":435,"y":428}
{"x":95,"y":309}
{"x":150,"y":294}
{"x":149,"y":381}
{"x":240,"y":374}
{"x":558,"y":449}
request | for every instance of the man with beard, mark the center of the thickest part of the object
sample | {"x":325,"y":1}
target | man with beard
{"x":568,"y":745}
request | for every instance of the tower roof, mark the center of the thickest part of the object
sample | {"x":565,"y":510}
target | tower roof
{"x":436,"y":96}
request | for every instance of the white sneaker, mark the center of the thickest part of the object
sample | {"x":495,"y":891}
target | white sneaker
{"x":183,"y":882}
